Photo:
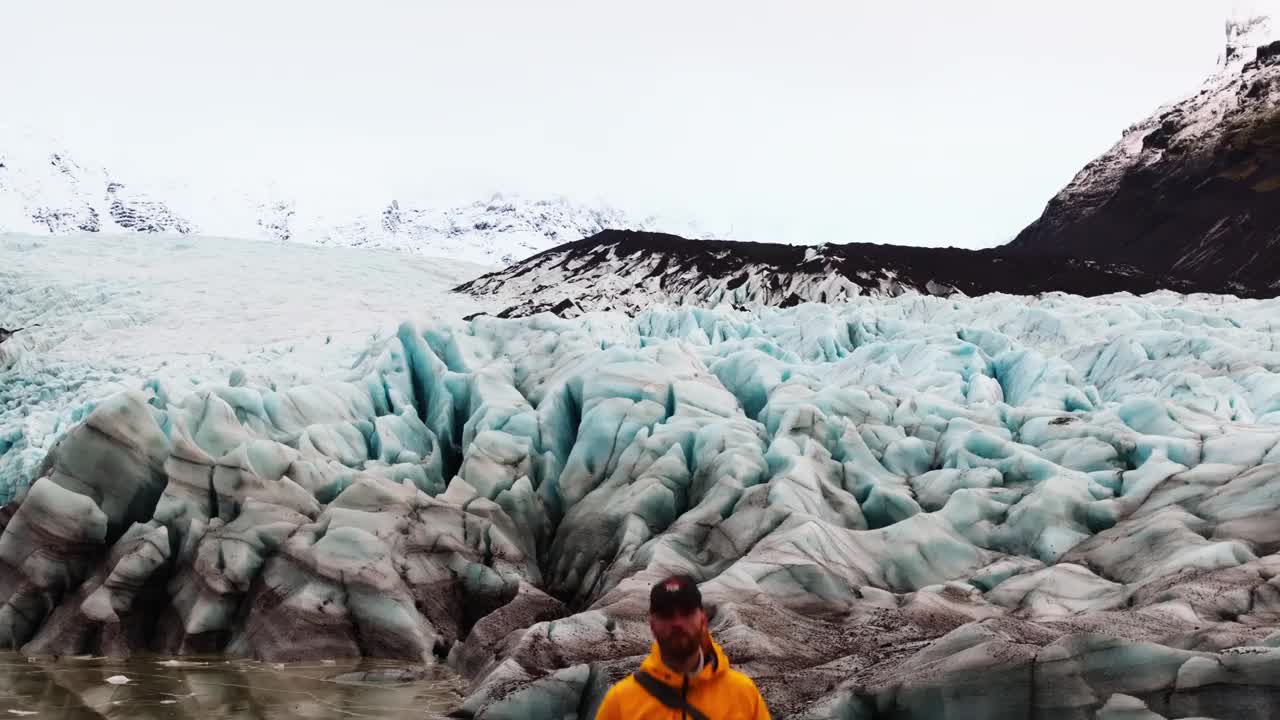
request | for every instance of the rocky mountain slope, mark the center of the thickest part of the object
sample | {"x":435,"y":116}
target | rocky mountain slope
{"x":1192,"y":190}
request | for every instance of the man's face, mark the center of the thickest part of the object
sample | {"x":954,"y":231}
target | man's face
{"x":678,"y":634}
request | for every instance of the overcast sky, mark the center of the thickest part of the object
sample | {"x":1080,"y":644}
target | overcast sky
{"x":929,"y":122}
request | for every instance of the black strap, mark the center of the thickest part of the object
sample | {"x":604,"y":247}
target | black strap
{"x":667,"y":695}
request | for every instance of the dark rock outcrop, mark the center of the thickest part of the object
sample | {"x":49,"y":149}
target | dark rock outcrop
{"x":275,"y":220}
{"x":141,"y":214}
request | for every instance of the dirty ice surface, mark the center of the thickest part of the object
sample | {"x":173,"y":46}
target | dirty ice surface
{"x":215,"y":688}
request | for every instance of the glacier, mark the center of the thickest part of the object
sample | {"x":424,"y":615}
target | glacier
{"x":188,"y":311}
{"x":922,"y":507}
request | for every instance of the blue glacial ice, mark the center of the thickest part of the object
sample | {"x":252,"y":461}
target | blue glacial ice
{"x":908,"y":507}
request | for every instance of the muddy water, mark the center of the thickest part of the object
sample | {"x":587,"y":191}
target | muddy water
{"x":222,"y":689}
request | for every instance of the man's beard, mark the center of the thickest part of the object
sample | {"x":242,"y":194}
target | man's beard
{"x":679,"y":647}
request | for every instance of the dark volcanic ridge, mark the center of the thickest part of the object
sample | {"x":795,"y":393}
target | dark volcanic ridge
{"x":1187,"y":201}
{"x":630,"y":271}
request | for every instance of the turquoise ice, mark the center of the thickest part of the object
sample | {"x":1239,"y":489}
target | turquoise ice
{"x":1084,"y":486}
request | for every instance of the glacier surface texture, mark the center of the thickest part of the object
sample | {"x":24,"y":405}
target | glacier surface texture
{"x":912,"y":507}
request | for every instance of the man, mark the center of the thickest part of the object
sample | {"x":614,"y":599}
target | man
{"x":686,"y":674}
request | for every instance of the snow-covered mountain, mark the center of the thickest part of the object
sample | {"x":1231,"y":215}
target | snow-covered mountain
{"x":631,"y":271}
{"x":500,"y":230}
{"x":1195,"y":188}
{"x":44,"y":189}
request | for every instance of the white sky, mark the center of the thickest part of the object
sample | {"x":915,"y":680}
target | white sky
{"x":928,"y":122}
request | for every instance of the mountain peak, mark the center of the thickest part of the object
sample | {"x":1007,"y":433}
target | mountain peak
{"x":1250,"y":26}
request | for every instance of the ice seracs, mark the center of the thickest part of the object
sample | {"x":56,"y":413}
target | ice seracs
{"x":180,"y":311}
{"x":889,"y":502}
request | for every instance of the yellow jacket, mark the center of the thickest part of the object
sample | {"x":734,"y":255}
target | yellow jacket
{"x":717,"y":690}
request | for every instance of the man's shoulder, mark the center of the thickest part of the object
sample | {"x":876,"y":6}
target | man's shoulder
{"x":624,"y":686}
{"x":740,"y":680}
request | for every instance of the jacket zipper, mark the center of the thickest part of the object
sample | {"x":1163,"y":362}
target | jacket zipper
{"x":684,"y":696}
